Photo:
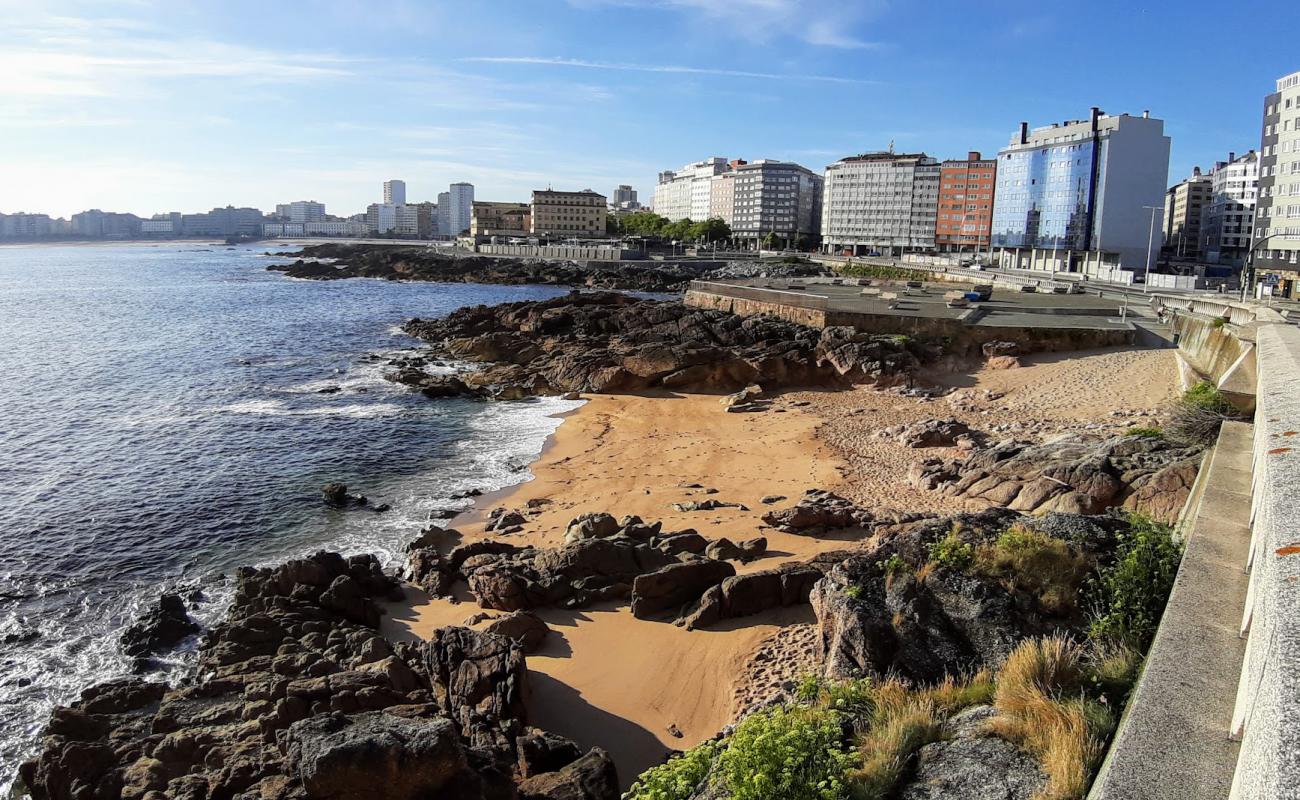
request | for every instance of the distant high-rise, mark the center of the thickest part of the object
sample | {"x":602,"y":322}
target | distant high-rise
{"x":770,"y":198}
{"x":301,"y":211}
{"x":461,"y":197}
{"x":625,"y":198}
{"x":1228,"y":216}
{"x":1080,"y":195}
{"x":395,"y":192}
{"x":444,"y":214}
{"x":1184,"y":203}
{"x":1277,"y":225}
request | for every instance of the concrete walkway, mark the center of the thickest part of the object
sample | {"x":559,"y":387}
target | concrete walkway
{"x":1173,"y":742}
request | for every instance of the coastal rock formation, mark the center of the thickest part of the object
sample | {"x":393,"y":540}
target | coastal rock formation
{"x":819,"y":511}
{"x":420,"y":263}
{"x":296,"y":696}
{"x":1077,"y":473}
{"x":606,"y":342}
{"x":160,"y":629}
{"x":969,"y":763}
{"x":930,"y":433}
{"x":898,"y":608}
{"x":751,"y":593}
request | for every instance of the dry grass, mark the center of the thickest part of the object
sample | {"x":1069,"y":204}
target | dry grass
{"x":1033,"y":562}
{"x":902,"y":720}
{"x":1042,"y":707}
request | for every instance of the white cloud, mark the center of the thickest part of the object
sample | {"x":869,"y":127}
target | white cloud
{"x":672,"y":69}
{"x":824,"y":23}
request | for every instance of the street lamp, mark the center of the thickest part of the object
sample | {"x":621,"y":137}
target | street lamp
{"x":1151,"y":241}
{"x":1248,"y":269}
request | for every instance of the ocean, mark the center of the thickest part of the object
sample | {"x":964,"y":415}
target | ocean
{"x":162,"y":423}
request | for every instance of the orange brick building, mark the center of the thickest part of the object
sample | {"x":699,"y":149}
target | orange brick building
{"x":965,"y":215}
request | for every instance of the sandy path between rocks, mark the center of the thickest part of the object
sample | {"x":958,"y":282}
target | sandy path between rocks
{"x":606,"y":678}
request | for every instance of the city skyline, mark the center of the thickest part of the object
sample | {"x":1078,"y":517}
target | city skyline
{"x":144,"y":108}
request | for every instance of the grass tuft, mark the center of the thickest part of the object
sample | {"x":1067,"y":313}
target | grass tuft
{"x":1031,"y":561}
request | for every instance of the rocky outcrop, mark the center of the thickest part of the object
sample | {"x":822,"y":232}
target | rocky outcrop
{"x":296,"y":696}
{"x":818,"y":511}
{"x":752,"y":593}
{"x":335,"y":261}
{"x":892,"y":608}
{"x":159,"y":630}
{"x":673,"y":586}
{"x":931,"y":433}
{"x":614,"y":343}
{"x":1078,"y":474}
{"x":969,"y":763}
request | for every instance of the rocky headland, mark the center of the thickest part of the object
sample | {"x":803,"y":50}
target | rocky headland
{"x":609,"y":342}
{"x":336,"y":261}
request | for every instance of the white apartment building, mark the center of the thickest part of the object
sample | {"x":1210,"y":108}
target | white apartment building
{"x":328,"y":228}
{"x":1277,"y":220}
{"x":381,"y":217}
{"x":395,"y":192}
{"x":880,"y":202}
{"x":1228,"y":216}
{"x":779,"y":199}
{"x":304,"y":211}
{"x":461,"y":198}
{"x":157,"y":227}
{"x":686,"y":193}
{"x":406,"y":220}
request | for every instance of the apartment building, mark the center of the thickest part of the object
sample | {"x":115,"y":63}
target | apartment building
{"x":500,"y":219}
{"x":461,"y":199}
{"x":773,"y":199}
{"x":381,"y":217}
{"x":301,"y":211}
{"x":395,"y":192}
{"x":1080,"y":195}
{"x":881,"y":202}
{"x":228,"y":221}
{"x":1228,"y":216}
{"x":568,"y":214}
{"x":1184,"y":202}
{"x":686,"y":193}
{"x":964,"y":217}
{"x":722,"y":198}
{"x":1277,"y":218}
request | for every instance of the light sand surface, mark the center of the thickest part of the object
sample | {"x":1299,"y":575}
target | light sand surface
{"x":606,"y":678}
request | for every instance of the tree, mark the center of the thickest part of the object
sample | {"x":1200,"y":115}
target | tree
{"x":642,"y":223}
{"x":679,"y":230}
{"x":712,"y":229}
{"x":769,"y":241}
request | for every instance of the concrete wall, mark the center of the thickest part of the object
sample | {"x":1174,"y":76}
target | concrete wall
{"x":1267,"y":714}
{"x":559,"y":251}
{"x":803,"y":315}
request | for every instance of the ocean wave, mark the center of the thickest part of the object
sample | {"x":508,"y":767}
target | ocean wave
{"x":277,"y":408}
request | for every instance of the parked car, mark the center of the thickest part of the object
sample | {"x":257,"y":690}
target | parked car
{"x":1029,"y":288}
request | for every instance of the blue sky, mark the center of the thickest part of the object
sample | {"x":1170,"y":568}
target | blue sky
{"x":144,"y":106}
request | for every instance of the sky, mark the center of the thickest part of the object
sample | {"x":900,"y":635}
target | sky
{"x":143,"y":106}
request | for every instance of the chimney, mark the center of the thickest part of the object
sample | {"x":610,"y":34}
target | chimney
{"x":1024,"y":133}
{"x":1146,"y":113}
{"x":1093,"y":116}
{"x":1231,"y":156}
{"x":972,"y":155}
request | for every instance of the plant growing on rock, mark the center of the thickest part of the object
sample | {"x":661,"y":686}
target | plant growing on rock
{"x":1145,"y":432}
{"x":1031,"y":561}
{"x":951,"y":551}
{"x":678,"y":778}
{"x":1129,"y":595}
{"x":788,"y":753}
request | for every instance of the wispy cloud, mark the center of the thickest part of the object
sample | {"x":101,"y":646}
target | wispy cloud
{"x":671,"y":69}
{"x":824,"y":23}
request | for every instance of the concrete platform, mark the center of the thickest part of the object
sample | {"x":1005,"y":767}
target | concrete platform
{"x":1174,"y":739}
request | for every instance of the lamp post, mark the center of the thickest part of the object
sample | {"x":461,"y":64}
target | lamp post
{"x":1151,"y":241}
{"x":1248,"y":268}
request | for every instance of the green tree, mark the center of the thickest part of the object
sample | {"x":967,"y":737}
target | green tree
{"x":642,"y":223}
{"x":712,"y":229}
{"x":679,"y":230}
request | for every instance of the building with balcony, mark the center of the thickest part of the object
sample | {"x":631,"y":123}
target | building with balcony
{"x":778,"y":202}
{"x":1277,"y":217}
{"x":1081,"y":195}
{"x":686,"y":193}
{"x":883,"y":202}
{"x":579,"y":215}
{"x":1184,"y":202}
{"x":964,"y":217}
{"x":1228,"y":215}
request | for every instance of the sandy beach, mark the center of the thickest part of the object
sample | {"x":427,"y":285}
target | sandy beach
{"x":641,"y":688}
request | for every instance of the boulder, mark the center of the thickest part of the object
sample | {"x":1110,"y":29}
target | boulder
{"x":527,"y":629}
{"x":972,"y":764}
{"x":160,"y":629}
{"x":591,"y":777}
{"x":591,"y":526}
{"x":375,"y":755}
{"x":675,"y":585}
{"x":336,"y":496}
{"x":995,"y":349}
{"x":479,"y":681}
{"x":818,"y":511}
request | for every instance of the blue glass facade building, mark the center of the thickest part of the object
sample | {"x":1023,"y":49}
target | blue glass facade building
{"x":1045,"y":196}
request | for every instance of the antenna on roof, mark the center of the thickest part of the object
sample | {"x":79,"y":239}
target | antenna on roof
{"x":891,"y":147}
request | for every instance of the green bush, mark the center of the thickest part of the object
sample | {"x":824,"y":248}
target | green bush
{"x":887,"y":273}
{"x":853,"y":592}
{"x":1219,"y":322}
{"x":678,"y":778}
{"x":1129,"y":595}
{"x":1031,"y":561}
{"x":1145,"y":433}
{"x":1205,"y":395}
{"x":786,"y":754}
{"x":952,"y":552}
{"x":893,"y":565}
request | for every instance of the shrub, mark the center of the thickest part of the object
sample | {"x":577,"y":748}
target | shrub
{"x":853,"y":592}
{"x":1145,"y":433}
{"x":786,"y":753}
{"x":1196,"y":417}
{"x":1031,"y":561}
{"x":1128,"y":596}
{"x":952,"y":552}
{"x":1218,"y":322}
{"x":1113,"y":668}
{"x":677,"y":779}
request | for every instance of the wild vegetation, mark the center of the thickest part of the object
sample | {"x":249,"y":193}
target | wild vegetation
{"x":886,"y":272}
{"x":1057,"y":698}
{"x":1195,"y":417}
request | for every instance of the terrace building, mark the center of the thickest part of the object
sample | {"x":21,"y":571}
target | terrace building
{"x":500,"y":219}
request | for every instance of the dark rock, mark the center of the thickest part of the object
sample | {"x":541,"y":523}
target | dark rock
{"x":480,"y":682}
{"x":541,"y":752}
{"x":676,"y":585}
{"x":336,"y":496}
{"x":521,"y":626}
{"x":160,"y":629}
{"x":591,"y":526}
{"x":819,"y":511}
{"x":592,"y":777}
{"x":375,"y":755}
